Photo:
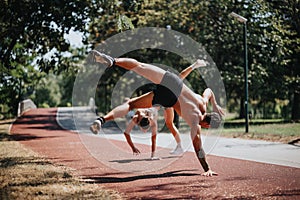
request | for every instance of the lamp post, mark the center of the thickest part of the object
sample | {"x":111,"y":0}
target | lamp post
{"x":244,"y":21}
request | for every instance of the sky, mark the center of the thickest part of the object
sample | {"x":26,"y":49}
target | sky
{"x":75,"y":38}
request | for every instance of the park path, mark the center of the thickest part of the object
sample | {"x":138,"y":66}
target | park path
{"x":109,"y":163}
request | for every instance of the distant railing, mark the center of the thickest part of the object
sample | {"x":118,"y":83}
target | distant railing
{"x":25,"y":105}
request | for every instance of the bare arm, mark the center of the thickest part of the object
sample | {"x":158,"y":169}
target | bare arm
{"x":128,"y":138}
{"x":210,"y":96}
{"x":197,"y":143}
{"x":208,"y":93}
{"x":153,"y":138}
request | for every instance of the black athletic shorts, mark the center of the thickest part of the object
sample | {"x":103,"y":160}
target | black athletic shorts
{"x":167,"y":92}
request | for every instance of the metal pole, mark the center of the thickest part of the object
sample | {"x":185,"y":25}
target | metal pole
{"x":244,"y":20}
{"x":246,"y":79}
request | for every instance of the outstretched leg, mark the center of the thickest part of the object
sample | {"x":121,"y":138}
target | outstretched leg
{"x":169,"y":116}
{"x":150,"y":72}
{"x":143,"y":101}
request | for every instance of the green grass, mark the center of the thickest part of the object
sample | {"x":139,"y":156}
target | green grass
{"x":277,"y":130}
{"x":281,"y":132}
{"x":287,"y":129}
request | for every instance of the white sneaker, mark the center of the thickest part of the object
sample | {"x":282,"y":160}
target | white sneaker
{"x":154,"y":158}
{"x":177,"y":151}
{"x":102,"y":58}
{"x":199,"y":63}
{"x":96,"y":126}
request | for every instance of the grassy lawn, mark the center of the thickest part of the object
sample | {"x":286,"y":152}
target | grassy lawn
{"x":26,"y":175}
{"x":277,"y":132}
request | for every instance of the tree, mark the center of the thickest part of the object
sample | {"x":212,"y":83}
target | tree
{"x":271,"y":41}
{"x":33,"y":40}
{"x":288,"y":25}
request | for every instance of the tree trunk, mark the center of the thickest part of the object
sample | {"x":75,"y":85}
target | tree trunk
{"x":296,"y":106}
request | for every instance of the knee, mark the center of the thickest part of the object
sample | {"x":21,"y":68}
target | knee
{"x":130,"y":107}
{"x":130,"y":104}
{"x":127,"y":63}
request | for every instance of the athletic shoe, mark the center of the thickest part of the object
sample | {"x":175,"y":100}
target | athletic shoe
{"x":177,"y":151}
{"x":102,"y":58}
{"x":199,"y":63}
{"x":96,"y":126}
{"x":154,"y":158}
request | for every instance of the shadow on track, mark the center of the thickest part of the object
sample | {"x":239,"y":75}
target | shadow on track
{"x":178,"y":173}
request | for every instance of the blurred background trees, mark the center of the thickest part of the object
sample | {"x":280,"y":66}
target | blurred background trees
{"x":38,"y":61}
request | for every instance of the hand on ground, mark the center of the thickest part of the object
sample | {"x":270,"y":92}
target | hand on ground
{"x":136,"y":151}
{"x":209,"y":173}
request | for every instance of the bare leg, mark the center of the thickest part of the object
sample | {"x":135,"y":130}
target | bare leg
{"x":209,"y":96}
{"x":150,"y":72}
{"x":117,"y":112}
{"x":153,"y":147}
{"x":184,"y":73}
{"x":143,"y":101}
{"x":169,"y":116}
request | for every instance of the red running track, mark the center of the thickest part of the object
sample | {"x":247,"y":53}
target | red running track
{"x":238,"y":179}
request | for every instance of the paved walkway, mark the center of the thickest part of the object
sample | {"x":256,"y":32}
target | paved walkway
{"x":110,"y":163}
{"x":253,"y":150}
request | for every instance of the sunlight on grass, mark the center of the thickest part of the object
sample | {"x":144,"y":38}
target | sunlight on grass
{"x":26,"y":175}
{"x":291,"y":129}
{"x":282,"y":132}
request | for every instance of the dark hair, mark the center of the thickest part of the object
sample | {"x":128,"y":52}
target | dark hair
{"x":144,"y":123}
{"x":213,"y":119}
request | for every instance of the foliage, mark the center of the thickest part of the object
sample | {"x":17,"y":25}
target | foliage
{"x":287,"y":23}
{"x":47,"y":92}
{"x":33,"y":44}
{"x":273,"y":43}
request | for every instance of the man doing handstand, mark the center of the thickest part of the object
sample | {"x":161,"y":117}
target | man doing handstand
{"x":170,"y":92}
{"x":147,"y":119}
